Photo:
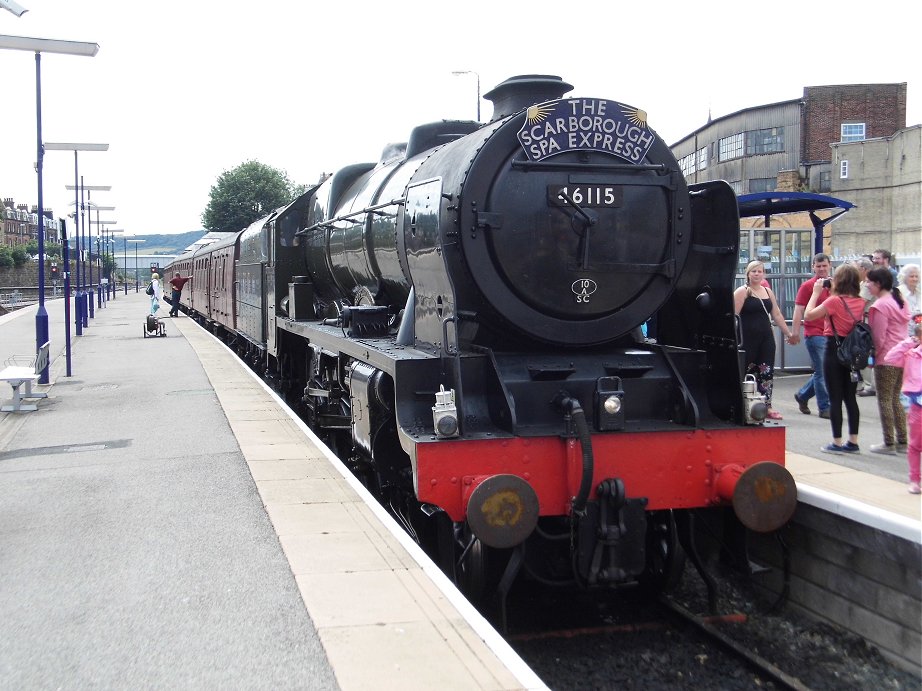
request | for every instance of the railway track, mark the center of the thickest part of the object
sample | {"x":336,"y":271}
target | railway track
{"x":667,"y":643}
{"x":652,"y":643}
{"x":754,"y":660}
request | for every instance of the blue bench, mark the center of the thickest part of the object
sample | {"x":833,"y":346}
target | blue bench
{"x":18,"y":375}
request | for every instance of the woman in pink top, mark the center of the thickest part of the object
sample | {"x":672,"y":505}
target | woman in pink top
{"x":908,"y":355}
{"x":842,"y":309}
{"x":888,"y":317}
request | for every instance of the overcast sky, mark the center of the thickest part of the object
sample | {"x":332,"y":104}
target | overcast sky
{"x":183,"y":91}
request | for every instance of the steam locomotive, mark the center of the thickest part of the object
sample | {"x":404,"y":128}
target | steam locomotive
{"x":520,"y":336}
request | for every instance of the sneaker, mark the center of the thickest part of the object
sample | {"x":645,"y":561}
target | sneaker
{"x":833,"y":448}
{"x":914,"y":488}
{"x":802,"y":404}
{"x":848,"y":447}
{"x":886,"y":449}
{"x":824,"y":414}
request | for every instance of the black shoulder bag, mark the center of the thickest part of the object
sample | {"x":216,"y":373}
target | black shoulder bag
{"x":856,"y":349}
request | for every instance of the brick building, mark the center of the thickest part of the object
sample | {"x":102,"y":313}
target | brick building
{"x":798,"y":145}
{"x":19,"y":224}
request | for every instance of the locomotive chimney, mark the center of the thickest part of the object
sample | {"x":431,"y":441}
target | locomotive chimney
{"x":517,"y":93}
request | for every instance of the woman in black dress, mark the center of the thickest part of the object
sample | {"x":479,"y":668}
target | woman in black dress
{"x":757,"y":307}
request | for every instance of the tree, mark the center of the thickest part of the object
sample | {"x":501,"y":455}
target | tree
{"x":20,"y":256}
{"x":244,"y":194}
{"x":51,"y":249}
{"x":109,"y":265}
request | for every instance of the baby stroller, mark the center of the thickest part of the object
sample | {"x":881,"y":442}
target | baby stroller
{"x":153,"y":327}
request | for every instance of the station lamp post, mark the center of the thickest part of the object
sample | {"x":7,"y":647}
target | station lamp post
{"x":39,"y":46}
{"x":78,"y":293}
{"x":136,"y":278}
{"x":113,"y":248}
{"x":100,"y":245}
{"x":87,"y":240}
{"x":97,"y":208}
{"x":458,"y":73}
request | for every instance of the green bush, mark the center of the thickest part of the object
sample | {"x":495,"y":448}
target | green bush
{"x":6,"y":257}
{"x":20,"y":256}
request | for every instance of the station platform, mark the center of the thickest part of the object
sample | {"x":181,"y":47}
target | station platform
{"x":165,"y":522}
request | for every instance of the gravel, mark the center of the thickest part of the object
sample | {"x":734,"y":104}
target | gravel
{"x":627,"y":644}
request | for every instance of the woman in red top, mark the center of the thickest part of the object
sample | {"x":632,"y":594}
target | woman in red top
{"x":842,"y":309}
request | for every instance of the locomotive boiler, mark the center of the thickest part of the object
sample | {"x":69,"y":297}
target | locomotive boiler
{"x":520,"y":335}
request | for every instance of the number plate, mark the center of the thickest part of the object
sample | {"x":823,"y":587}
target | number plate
{"x":598,"y":196}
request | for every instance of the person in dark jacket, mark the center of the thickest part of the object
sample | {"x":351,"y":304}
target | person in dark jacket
{"x":176,"y":284}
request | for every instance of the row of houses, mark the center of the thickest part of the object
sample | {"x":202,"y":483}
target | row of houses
{"x":19,"y":224}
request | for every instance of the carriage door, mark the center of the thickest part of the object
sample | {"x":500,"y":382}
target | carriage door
{"x":268,"y":294}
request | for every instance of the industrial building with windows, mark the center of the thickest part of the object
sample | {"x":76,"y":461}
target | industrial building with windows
{"x":849,"y":141}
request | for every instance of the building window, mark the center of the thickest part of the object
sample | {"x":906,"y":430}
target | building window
{"x":737,"y":187}
{"x":852,"y":132}
{"x":702,"y":158}
{"x":730,"y":147}
{"x":765,"y":141}
{"x":843,"y":170}
{"x":687,"y":164}
{"x":825,"y":182}
{"x":762,"y":185}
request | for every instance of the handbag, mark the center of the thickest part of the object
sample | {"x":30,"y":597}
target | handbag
{"x":855,"y":349}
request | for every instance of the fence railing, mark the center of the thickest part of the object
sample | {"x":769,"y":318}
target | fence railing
{"x":13,"y":297}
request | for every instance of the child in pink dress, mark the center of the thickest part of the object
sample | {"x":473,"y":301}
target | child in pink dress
{"x":908,"y":355}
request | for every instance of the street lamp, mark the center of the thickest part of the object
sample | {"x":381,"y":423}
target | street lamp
{"x":458,"y":73}
{"x":78,"y":294}
{"x":39,"y":46}
{"x":99,"y":224}
{"x":87,"y":242}
{"x":136,"y":278}
{"x":13,"y":7}
{"x":112,"y":249}
{"x":99,"y":248}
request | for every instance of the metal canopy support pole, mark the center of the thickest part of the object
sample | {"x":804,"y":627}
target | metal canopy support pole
{"x":66,"y":250}
{"x":41,"y":316}
{"x":86,"y":301}
{"x":78,"y":293}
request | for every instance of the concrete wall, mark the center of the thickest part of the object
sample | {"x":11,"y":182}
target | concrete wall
{"x":885,"y":183}
{"x":862,"y":579}
{"x":27,"y":275}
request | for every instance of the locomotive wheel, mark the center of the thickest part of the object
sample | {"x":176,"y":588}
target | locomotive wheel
{"x":477,"y":568}
{"x":665,"y":556}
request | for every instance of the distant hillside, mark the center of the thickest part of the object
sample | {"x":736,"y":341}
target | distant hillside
{"x":167,"y":244}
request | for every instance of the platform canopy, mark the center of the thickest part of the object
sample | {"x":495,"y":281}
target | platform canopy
{"x":770,"y":204}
